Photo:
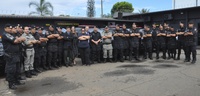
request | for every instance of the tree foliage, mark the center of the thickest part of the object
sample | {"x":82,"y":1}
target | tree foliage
{"x":108,"y":15}
{"x":122,"y":7}
{"x":43,"y":8}
{"x":91,"y":8}
{"x":142,"y":11}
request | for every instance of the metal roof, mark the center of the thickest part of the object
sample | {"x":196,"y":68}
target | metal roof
{"x":63,"y":18}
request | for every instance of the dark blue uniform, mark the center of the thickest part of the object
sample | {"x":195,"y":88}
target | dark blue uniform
{"x":67,"y":47}
{"x":96,"y":49}
{"x":155,"y":41}
{"x":12,"y":58}
{"x":126,"y":43}
{"x":37,"y":53}
{"x":134,"y":44}
{"x":191,"y":42}
{"x":118,"y":46}
{"x":162,"y":42}
{"x":52,"y":51}
{"x":60,"y":51}
{"x":171,"y":45}
{"x":181,"y":42}
{"x":148,"y":44}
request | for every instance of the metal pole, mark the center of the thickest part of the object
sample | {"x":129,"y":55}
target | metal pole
{"x":101,"y":8}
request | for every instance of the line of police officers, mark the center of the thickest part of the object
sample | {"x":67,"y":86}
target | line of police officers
{"x":29,"y":50}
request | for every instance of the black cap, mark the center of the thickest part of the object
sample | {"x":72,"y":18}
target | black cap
{"x":8,"y":25}
{"x":40,"y":28}
{"x":33,"y":27}
{"x":190,"y":22}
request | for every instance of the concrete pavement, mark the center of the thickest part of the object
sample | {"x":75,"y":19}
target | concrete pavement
{"x":145,"y":78}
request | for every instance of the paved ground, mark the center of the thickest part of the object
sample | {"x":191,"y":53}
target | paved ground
{"x":146,"y":78}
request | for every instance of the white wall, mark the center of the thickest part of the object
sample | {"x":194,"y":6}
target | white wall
{"x":184,"y":3}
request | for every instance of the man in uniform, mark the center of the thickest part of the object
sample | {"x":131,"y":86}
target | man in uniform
{"x":68,"y":40}
{"x":30,"y":52}
{"x":171,"y":43}
{"x":181,"y":39}
{"x":60,"y":47}
{"x":12,"y":58}
{"x":95,"y":37}
{"x":36,"y":63}
{"x":52,"y":48}
{"x":191,"y":42}
{"x":118,"y":44}
{"x":42,"y":49}
{"x":162,"y":40}
{"x":134,"y":38}
{"x":107,"y":45}
{"x":147,"y":42}
{"x":155,"y":40}
{"x":126,"y":41}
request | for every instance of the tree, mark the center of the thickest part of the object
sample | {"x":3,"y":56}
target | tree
{"x":42,"y":8}
{"x":122,"y":7}
{"x":142,"y":11}
{"x":90,"y":8}
{"x":108,"y":15}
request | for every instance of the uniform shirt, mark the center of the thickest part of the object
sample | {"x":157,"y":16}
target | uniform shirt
{"x":67,"y":37}
{"x":60,"y":42}
{"x":181,"y":37}
{"x":83,"y":43}
{"x":52,"y":41}
{"x":162,"y":39}
{"x":118,"y":40}
{"x":28,"y":38}
{"x":43,"y":44}
{"x":154,"y":34}
{"x":191,"y":39}
{"x":37,"y":37}
{"x":8,"y":43}
{"x":135,"y":38}
{"x":95,"y":36}
{"x":108,"y":40}
{"x":171,"y":41}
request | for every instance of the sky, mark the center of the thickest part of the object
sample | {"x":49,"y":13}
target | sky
{"x":78,"y":7}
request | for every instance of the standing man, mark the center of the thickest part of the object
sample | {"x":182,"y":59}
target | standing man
{"x":12,"y":56}
{"x":155,"y":40}
{"x":181,"y":40}
{"x":107,"y":45}
{"x":30,"y":52}
{"x":60,"y":47}
{"x":162,"y":40}
{"x":148,"y":42}
{"x":134,"y":38}
{"x":126,"y":41}
{"x":191,"y":42}
{"x":171,"y":43}
{"x":52,"y":48}
{"x":118,"y":44}
{"x":36,"y":63}
{"x":42,"y":49}
{"x":95,"y":45}
{"x":67,"y":46}
{"x":84,"y":47}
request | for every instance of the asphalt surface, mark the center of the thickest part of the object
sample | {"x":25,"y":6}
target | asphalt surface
{"x":145,"y":78}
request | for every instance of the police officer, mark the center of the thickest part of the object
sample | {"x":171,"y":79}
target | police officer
{"x":134,"y":38}
{"x":84,"y":48}
{"x":162,"y":40}
{"x":68,"y":40}
{"x":36,"y":63}
{"x":60,"y":47}
{"x":126,"y":41}
{"x":181,"y":39}
{"x":12,"y":58}
{"x":107,"y":45}
{"x":118,"y":44}
{"x":191,"y":41}
{"x":155,"y":40}
{"x":42,"y":49}
{"x":52,"y":48}
{"x":171,"y":43}
{"x":95,"y":37}
{"x":30,"y":52}
{"x":148,"y":42}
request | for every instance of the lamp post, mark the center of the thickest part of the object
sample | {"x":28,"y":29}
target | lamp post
{"x":101,"y":8}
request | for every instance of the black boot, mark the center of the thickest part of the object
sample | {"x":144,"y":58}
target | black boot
{"x":110,"y":60}
{"x":12,"y":86}
{"x":18,"y":82}
{"x":32,"y":72}
{"x":28,"y":74}
{"x":104,"y":60}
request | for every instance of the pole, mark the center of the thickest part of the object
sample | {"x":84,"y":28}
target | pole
{"x":101,"y":8}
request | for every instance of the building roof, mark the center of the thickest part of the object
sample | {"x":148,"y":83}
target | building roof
{"x":173,"y":10}
{"x":62,"y":18}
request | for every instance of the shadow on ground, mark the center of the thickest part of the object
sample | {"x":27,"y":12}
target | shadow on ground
{"x":50,"y":86}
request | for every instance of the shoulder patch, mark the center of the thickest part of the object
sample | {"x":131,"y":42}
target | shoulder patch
{"x":9,"y":36}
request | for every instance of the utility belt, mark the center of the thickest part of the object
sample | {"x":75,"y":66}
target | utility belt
{"x":107,"y":43}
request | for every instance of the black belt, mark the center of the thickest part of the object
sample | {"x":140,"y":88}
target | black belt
{"x":29,"y":47}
